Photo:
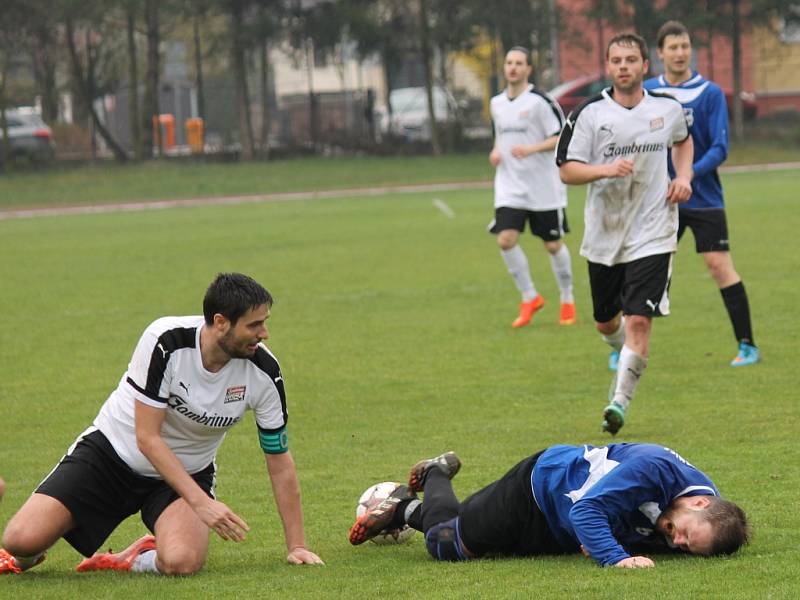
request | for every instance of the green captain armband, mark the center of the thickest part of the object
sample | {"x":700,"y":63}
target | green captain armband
{"x":274,"y":442}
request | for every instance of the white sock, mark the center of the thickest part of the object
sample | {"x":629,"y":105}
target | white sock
{"x":26,"y":562}
{"x":616,"y":339}
{"x":517,"y":264}
{"x":410,"y":508}
{"x":145,"y":562}
{"x":629,"y":370}
{"x":561,"y":263}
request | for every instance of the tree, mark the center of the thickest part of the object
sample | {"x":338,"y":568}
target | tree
{"x":134,"y":116}
{"x":11,"y":34}
{"x":150,"y":108}
{"x":93,"y":61}
{"x":237,"y":10}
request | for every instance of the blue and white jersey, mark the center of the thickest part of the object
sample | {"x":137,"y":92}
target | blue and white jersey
{"x":707,"y":114}
{"x":609,"y":497}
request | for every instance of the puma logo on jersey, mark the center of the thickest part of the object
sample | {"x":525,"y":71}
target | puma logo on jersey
{"x":163,"y":350}
{"x":184,"y":386}
{"x":606,"y":128}
{"x":278,"y":378}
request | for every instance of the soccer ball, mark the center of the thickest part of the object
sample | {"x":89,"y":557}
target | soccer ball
{"x":373,"y":496}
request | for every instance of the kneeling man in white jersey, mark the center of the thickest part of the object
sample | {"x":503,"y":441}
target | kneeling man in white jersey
{"x":151,"y":448}
{"x":618,"y":143}
{"x":526,"y":185}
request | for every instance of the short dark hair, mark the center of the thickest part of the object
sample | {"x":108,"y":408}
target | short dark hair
{"x":525,"y":51}
{"x":670,"y":28}
{"x":232,"y":295}
{"x":629,"y":39}
{"x":729,"y":524}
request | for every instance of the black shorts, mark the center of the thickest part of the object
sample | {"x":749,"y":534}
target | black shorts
{"x":640,"y":287}
{"x":710,"y":229}
{"x":550,"y":225}
{"x":100,"y":491}
{"x":504,"y":519}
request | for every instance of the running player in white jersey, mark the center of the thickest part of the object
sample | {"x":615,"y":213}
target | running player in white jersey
{"x":151,"y":448}
{"x":526,"y":185}
{"x":618,"y":143}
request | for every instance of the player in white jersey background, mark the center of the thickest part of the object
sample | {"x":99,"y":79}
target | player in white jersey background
{"x":704,"y":213}
{"x":527,"y":187}
{"x":618,"y":142}
{"x":151,"y":448}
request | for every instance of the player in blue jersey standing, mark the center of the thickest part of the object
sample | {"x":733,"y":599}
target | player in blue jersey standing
{"x":613,"y":503}
{"x":707,"y":114}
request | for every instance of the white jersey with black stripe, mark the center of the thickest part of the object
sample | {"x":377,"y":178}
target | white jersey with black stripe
{"x":626,"y":218}
{"x":166,"y":371}
{"x":530,"y":183}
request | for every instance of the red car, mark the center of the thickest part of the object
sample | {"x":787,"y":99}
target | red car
{"x":571,"y":93}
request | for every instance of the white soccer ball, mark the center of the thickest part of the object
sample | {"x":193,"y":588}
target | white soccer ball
{"x":373,"y":496}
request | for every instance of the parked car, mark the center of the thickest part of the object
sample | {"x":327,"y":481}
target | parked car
{"x":571,"y":93}
{"x":30,"y":139}
{"x":409,"y":117}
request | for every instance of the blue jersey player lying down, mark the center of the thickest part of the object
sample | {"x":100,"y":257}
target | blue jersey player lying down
{"x":613,"y":503}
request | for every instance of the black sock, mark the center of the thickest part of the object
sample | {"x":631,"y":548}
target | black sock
{"x":440,"y":503}
{"x":735,"y":299}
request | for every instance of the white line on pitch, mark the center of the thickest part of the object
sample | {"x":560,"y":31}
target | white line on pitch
{"x":444,"y":208}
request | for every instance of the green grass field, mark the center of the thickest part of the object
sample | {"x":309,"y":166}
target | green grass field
{"x":161,"y":180}
{"x":391,"y":322}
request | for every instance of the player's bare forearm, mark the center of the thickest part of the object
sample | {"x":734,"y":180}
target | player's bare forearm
{"x":148,"y":421}
{"x":286,"y":489}
{"x":521,"y":151}
{"x":682,"y":158}
{"x":213,"y":513}
{"x":577,"y":173}
{"x":680,"y":188}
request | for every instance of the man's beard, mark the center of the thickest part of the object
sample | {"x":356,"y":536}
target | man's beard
{"x":226,"y":343}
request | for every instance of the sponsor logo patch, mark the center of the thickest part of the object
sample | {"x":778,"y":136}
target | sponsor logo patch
{"x":235,"y":394}
{"x":656,"y":124}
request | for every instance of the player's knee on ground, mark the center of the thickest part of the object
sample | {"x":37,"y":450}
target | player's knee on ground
{"x":444,"y":543}
{"x":20,"y":540}
{"x":184,"y":561}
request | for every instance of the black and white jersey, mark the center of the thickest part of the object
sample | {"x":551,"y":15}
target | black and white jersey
{"x":530,"y":183}
{"x":166,"y":371}
{"x":626,"y":218}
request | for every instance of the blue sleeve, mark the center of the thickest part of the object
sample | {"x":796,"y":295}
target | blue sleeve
{"x":716,"y":120}
{"x":620,"y":492}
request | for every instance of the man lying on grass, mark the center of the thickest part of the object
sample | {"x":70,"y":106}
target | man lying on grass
{"x":613,"y":503}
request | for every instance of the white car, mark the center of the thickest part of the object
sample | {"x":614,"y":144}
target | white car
{"x":409,"y":116}
{"x":28,"y":136}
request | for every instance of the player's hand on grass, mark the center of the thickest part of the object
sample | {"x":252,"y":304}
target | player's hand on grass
{"x":680,"y":189}
{"x":303,"y":556}
{"x":494,"y":157}
{"x":621,"y":167}
{"x":635,"y":562}
{"x":226,"y":523}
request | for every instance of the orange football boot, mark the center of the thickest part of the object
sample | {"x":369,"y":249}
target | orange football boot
{"x":121,"y":561}
{"x":527,"y":310}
